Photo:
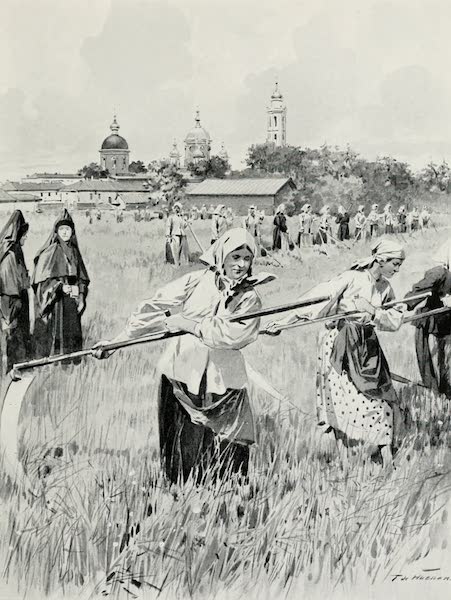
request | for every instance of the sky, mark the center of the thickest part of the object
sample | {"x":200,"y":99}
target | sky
{"x":374,"y":74}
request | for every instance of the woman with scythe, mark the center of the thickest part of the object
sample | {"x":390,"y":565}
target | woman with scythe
{"x":204,"y":413}
{"x":355,"y":394}
{"x":60,"y":282}
{"x":14,"y":285}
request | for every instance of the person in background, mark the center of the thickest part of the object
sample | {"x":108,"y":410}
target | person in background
{"x":206,"y":425}
{"x":389,"y":219}
{"x":402,"y":219}
{"x":203,"y":212}
{"x":222,"y":221}
{"x":414,"y":219}
{"x":60,"y":282}
{"x":194,"y":213}
{"x":360,"y":222}
{"x":214,"y":229}
{"x":301,"y":226}
{"x":355,"y":393}
{"x":373,"y":221}
{"x":229,"y":217}
{"x":342,"y":220}
{"x":98,"y":214}
{"x":425,"y":218}
{"x":14,"y":285}
{"x":175,"y":231}
{"x":324,"y":225}
{"x":280,"y":230}
{"x":251,"y":222}
{"x":211,"y":211}
{"x":307,"y":236}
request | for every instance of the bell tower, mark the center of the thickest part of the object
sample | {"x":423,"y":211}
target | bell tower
{"x":277,"y":119}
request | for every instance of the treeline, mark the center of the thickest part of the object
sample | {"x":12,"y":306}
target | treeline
{"x":341,"y":177}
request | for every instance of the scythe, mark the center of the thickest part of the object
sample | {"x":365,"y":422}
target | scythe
{"x":21,"y":383}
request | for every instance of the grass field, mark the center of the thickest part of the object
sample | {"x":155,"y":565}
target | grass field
{"x":104,"y":522}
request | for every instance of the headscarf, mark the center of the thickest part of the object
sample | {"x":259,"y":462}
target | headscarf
{"x":13,"y":274}
{"x":215,"y":257}
{"x":374,"y":206}
{"x":57,"y":258}
{"x":280,"y":209}
{"x":387,"y":207}
{"x":382,"y":249}
{"x":361,"y":208}
{"x":443,"y":255}
{"x":341,"y":210}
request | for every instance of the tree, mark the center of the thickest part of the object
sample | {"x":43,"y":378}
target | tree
{"x":167,"y":182}
{"x":93,"y":171}
{"x":215,"y":167}
{"x":137,"y":166}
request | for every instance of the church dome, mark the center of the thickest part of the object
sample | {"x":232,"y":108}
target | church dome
{"x":197,"y":133}
{"x":114,"y":141}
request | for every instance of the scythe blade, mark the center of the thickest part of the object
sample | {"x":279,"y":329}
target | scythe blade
{"x":9,"y":423}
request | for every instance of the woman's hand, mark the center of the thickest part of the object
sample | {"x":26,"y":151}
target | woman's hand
{"x":81,"y":305}
{"x":446,"y":300}
{"x":273,"y":328}
{"x":362,"y":305}
{"x":180,"y":323}
{"x":67,"y":289}
{"x":99,"y":352}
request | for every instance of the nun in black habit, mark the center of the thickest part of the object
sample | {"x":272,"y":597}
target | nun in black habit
{"x":14,"y":284}
{"x":60,"y":282}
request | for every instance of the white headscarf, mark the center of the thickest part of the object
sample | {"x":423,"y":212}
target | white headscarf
{"x":382,"y":249}
{"x":215,"y":257}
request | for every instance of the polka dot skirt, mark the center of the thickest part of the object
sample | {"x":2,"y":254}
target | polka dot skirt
{"x":343,"y":407}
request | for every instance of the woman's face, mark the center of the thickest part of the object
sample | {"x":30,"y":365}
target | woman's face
{"x":65,"y":232}
{"x":238,"y":263}
{"x":390,"y":267}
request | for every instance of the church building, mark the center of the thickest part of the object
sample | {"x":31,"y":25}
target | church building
{"x":277,"y":120}
{"x":114,"y":154}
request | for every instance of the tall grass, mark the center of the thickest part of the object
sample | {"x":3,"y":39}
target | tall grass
{"x":96,"y":517}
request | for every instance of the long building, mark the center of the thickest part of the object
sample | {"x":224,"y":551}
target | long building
{"x":239,"y":194}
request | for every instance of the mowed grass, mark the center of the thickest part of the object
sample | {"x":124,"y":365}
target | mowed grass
{"x":103,"y":520}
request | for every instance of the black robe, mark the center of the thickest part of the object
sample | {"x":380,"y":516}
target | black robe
{"x":438,"y":281}
{"x":58,"y":323}
{"x":280,"y":226}
{"x":14,"y":284}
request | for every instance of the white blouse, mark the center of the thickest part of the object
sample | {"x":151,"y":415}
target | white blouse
{"x":344,"y":288}
{"x":217,"y":349}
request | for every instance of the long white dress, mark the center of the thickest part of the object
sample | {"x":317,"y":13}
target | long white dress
{"x":340,"y":404}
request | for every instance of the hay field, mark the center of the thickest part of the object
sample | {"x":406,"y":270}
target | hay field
{"x":105,"y":523}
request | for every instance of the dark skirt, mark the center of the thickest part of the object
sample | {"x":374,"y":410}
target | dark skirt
{"x":343,"y":231}
{"x":61,"y":333}
{"x":187,"y":448}
{"x":18,"y":340}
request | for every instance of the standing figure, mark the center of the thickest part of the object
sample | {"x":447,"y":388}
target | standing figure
{"x":175,"y":231}
{"x":343,"y":224}
{"x":14,"y":285}
{"x":205,"y":418}
{"x":433,"y":333}
{"x":360,"y":222}
{"x":211,"y":211}
{"x":414,"y":219}
{"x":389,"y":219}
{"x":203,"y":212}
{"x":307,"y":223}
{"x":324,"y":226}
{"x":402,"y":219}
{"x":355,"y":393}
{"x":221,"y":219}
{"x":184,"y":256}
{"x":373,"y":221}
{"x":252,"y":224}
{"x":214,"y":229}
{"x":280,"y":230}
{"x":301,"y":229}
{"x":98,"y":214}
{"x":425,"y":218}
{"x":229,"y":217}
{"x":60,"y":282}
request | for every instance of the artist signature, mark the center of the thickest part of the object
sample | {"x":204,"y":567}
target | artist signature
{"x":427,"y":575}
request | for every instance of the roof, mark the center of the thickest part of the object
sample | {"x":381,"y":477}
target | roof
{"x":53,"y":176}
{"x":106,"y":185}
{"x":136,"y":197}
{"x":32,"y":186}
{"x":114,"y":142}
{"x":6,"y":197}
{"x":240,"y":187}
